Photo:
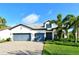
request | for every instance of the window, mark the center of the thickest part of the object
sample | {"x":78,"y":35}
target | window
{"x":48,"y":25}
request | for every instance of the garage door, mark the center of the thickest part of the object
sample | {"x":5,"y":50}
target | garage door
{"x":21,"y":36}
{"x":39,"y":37}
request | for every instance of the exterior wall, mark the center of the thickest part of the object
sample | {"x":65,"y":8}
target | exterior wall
{"x":52,"y":25}
{"x":46,"y":26}
{"x":4,"y":34}
{"x":21,"y":29}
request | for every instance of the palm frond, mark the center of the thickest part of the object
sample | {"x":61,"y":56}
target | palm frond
{"x":52,"y":21}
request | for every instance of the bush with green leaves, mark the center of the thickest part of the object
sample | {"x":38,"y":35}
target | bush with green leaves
{"x":8,"y":39}
{"x":48,"y":42}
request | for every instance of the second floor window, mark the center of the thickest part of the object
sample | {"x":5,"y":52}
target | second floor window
{"x":48,"y":25}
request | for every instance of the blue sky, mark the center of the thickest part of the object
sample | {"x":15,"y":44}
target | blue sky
{"x":35,"y":13}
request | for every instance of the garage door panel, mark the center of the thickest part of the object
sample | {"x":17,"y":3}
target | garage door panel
{"x":22,"y":36}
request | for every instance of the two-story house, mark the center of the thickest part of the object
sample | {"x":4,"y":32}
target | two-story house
{"x":26,"y":33}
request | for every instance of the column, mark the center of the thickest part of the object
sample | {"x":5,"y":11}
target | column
{"x":32,"y":36}
{"x":52,"y":35}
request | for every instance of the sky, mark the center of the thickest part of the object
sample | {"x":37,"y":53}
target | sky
{"x":35,"y":13}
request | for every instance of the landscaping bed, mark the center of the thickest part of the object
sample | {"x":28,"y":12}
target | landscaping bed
{"x":8,"y":39}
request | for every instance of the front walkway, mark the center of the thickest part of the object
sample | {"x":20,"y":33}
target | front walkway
{"x":21,"y":48}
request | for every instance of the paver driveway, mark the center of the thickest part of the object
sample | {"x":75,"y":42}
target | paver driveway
{"x":21,"y":48}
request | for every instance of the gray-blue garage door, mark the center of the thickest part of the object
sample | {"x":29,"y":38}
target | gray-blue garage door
{"x":39,"y":37}
{"x":21,"y":36}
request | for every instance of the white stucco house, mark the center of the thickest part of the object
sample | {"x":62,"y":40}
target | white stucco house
{"x":22,"y":32}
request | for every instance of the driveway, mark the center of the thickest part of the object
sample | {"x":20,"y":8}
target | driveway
{"x":21,"y":48}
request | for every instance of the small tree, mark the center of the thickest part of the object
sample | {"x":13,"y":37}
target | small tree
{"x":2,"y":23}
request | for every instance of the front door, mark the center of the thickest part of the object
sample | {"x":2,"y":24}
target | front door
{"x":48,"y":35}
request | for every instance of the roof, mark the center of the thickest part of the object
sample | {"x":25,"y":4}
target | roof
{"x":46,"y":21}
{"x":36,"y":28}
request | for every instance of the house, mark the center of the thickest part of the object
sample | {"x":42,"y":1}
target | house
{"x":25,"y":33}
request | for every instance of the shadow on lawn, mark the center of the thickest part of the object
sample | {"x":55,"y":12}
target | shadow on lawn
{"x":19,"y":52}
{"x":68,"y":44}
{"x":63,"y":43}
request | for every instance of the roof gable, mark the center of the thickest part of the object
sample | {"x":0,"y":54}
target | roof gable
{"x":20,"y":25}
{"x":27,"y":27}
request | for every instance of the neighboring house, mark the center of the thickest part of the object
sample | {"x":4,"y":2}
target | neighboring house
{"x":25,"y":33}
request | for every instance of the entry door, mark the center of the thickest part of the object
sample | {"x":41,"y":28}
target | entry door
{"x":21,"y":36}
{"x":48,"y":35}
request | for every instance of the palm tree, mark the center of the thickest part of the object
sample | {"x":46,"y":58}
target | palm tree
{"x":4,"y":21}
{"x":75,"y":26}
{"x":68,"y":21}
{"x":59,"y":24}
{"x":73,"y":23}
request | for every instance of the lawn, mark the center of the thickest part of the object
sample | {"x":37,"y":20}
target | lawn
{"x":55,"y":49}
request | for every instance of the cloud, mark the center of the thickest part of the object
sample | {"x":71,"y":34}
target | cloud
{"x":35,"y":25}
{"x":30,"y":19}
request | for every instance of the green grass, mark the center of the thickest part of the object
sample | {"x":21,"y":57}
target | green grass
{"x":55,"y":49}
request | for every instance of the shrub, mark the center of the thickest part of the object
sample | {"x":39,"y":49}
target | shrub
{"x":3,"y":40}
{"x":65,"y":39}
{"x":56,"y":39}
{"x":67,"y":43}
{"x":8,"y":39}
{"x":71,"y":35}
{"x":48,"y":42}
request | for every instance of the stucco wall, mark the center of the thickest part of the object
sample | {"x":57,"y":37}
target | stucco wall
{"x":4,"y":34}
{"x":22,"y":29}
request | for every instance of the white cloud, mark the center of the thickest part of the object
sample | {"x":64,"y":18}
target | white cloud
{"x":31,"y":19}
{"x":35,"y":25}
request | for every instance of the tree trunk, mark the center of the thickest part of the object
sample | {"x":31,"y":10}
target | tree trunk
{"x":61,"y":35}
{"x":76,"y":36}
{"x":67,"y":34}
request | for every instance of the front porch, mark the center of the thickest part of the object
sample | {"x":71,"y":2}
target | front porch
{"x":51,"y":35}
